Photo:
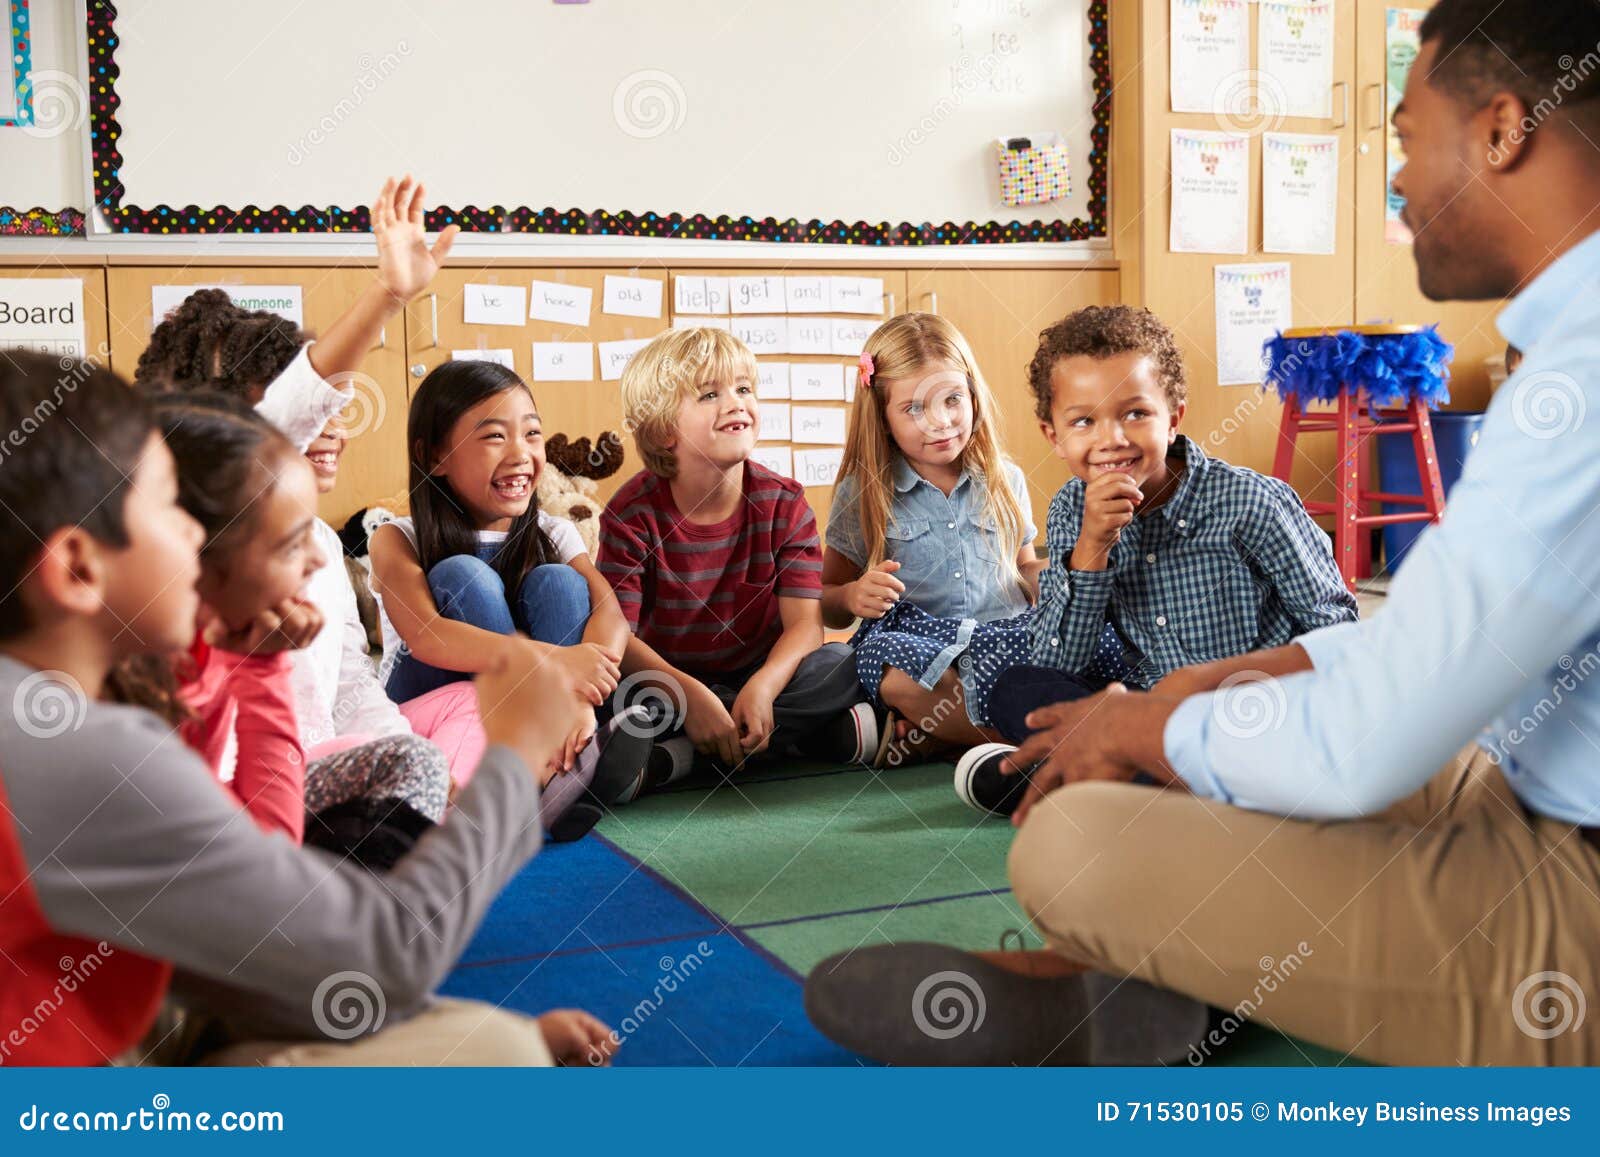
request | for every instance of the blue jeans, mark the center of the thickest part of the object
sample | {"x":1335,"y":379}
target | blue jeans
{"x":552,"y":606}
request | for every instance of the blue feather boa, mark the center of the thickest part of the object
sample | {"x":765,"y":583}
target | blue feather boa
{"x":1388,"y":368}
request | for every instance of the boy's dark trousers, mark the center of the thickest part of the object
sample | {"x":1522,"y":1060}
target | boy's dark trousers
{"x":1023,"y":689}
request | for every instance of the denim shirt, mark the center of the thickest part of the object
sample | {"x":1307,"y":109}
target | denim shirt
{"x":949,"y":550}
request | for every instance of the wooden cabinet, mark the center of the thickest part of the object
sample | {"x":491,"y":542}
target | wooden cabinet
{"x":436,"y":327}
{"x":1001,"y":312}
{"x":373,"y":471}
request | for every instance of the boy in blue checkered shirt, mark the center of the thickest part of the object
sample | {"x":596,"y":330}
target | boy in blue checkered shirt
{"x":1160,"y":557}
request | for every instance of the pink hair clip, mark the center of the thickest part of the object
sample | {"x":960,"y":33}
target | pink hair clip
{"x":867,"y":369}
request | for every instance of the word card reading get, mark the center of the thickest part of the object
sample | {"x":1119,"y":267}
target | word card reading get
{"x":632,"y":296}
{"x":558,"y":302}
{"x":756,"y":294}
{"x":563,"y":361}
{"x":494,"y":304}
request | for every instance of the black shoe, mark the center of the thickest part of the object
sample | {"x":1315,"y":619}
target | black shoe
{"x":625,"y":744}
{"x":928,"y":1004}
{"x":576,"y":822}
{"x":851,"y":737}
{"x":981,"y":785}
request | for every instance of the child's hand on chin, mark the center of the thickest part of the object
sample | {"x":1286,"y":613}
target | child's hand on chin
{"x":289,"y":626}
{"x":576,"y":1038}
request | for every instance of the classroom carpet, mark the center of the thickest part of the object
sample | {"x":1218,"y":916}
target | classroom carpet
{"x":688,"y":920}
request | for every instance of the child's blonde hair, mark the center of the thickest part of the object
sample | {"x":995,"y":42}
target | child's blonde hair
{"x":676,"y":365}
{"x":901,"y":348}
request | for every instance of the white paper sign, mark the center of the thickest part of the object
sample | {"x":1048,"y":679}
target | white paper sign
{"x":817,"y":467}
{"x":811,"y":335}
{"x":556,"y":301}
{"x":283,"y":300}
{"x":563,"y":361}
{"x":700,"y":295}
{"x":821,"y":382}
{"x":615,"y":356}
{"x":855,"y":295}
{"x":819,"y":425}
{"x":1210,"y":62}
{"x":777,"y":459}
{"x":774,"y":422}
{"x":499,"y":357}
{"x":755,"y":294}
{"x":1210,"y":192}
{"x":1253,"y":304}
{"x":806,"y":294}
{"x":849,"y":336}
{"x":772,"y":380}
{"x":494,"y":304}
{"x":681,"y":322}
{"x":1299,"y":193}
{"x":43,"y":314}
{"x":1295,"y":48}
{"x":632,"y":296}
{"x":764,"y":335}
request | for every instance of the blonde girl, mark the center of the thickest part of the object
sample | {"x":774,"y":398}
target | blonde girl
{"x":929,"y":542}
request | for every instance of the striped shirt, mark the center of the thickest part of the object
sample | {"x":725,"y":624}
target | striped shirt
{"x":706,"y":597}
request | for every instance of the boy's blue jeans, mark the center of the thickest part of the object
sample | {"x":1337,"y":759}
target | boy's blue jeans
{"x":1023,"y":689}
{"x":551,"y":606}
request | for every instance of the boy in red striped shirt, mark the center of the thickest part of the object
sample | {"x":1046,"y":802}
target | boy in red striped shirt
{"x":716,"y":563}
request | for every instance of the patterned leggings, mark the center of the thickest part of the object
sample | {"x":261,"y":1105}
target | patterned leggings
{"x":404,"y":767}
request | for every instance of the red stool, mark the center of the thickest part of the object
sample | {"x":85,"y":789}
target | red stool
{"x":1356,"y":420}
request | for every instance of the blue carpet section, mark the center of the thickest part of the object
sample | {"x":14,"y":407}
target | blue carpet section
{"x":586,"y":926}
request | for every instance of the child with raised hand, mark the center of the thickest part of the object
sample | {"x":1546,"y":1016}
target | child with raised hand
{"x":115,"y":843}
{"x":345,"y":719}
{"x":929,"y":542}
{"x":1160,"y":557}
{"x":716,"y":565}
{"x":299,"y":385}
{"x":478,"y":569}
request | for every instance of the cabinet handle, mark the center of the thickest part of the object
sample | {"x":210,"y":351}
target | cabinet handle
{"x":1375,"y":108}
{"x":383,"y":338}
{"x":433,"y":313}
{"x":1342,"y":87}
{"x":932,"y":298}
{"x":891,"y":304}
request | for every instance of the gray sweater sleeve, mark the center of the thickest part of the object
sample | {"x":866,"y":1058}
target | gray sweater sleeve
{"x":129,"y":839}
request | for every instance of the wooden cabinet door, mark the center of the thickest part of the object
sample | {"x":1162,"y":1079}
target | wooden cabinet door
{"x":95,"y":314}
{"x":1386,"y":276}
{"x":894,"y":297}
{"x":373,"y":471}
{"x":436,"y":327}
{"x":1001,"y":312}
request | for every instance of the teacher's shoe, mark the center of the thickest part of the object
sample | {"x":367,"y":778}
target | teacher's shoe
{"x":929,"y":1004}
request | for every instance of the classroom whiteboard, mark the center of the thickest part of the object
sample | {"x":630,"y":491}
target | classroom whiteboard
{"x":877,"y":111}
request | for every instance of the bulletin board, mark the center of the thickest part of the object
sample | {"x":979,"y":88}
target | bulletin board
{"x":863,"y":122}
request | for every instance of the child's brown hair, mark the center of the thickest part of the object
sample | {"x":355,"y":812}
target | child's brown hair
{"x":209,"y":343}
{"x":1103,"y":331}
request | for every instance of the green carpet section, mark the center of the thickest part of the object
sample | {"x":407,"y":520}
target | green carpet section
{"x":807,"y":860}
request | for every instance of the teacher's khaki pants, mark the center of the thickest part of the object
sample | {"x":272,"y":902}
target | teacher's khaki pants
{"x":1453,"y":928}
